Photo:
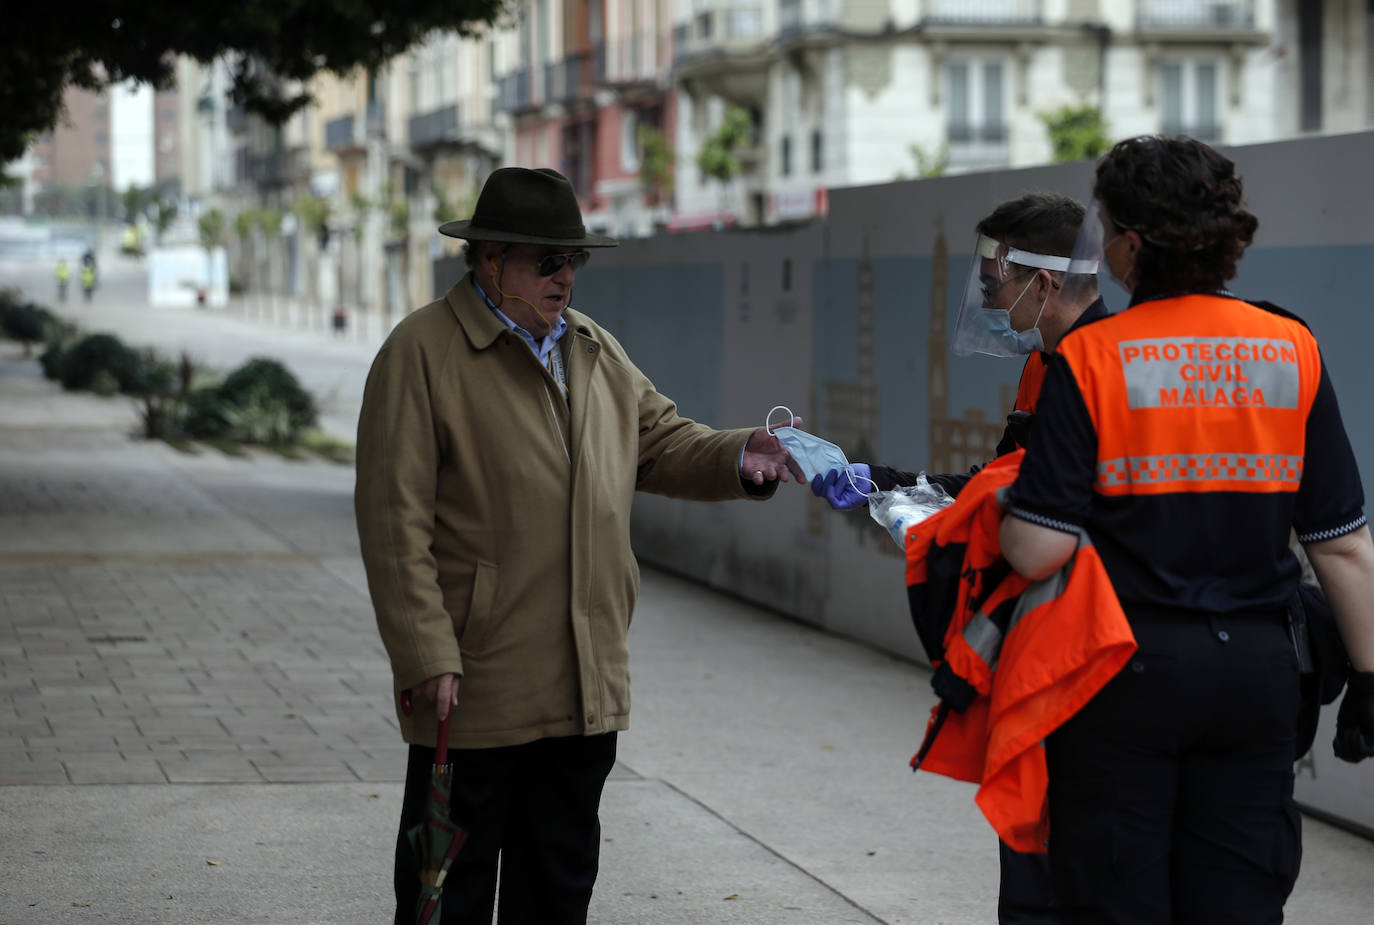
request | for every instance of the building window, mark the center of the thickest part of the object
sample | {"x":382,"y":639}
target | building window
{"x":817,"y":151}
{"x":786,"y":158}
{"x":1189,"y":90}
{"x":977,"y":102}
{"x":629,"y":143}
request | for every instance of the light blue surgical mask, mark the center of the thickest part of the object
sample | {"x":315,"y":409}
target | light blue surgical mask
{"x":998,"y":322}
{"x":814,"y":455}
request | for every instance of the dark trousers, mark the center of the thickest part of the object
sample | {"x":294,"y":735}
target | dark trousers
{"x":1025,"y":894}
{"x":1171,"y":792}
{"x":533,"y":807}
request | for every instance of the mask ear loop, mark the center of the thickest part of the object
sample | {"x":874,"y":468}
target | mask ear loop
{"x":767,"y":422}
{"x":849,"y":471}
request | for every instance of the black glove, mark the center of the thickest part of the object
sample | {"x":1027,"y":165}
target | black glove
{"x":1355,"y":721}
{"x":1017,"y":433}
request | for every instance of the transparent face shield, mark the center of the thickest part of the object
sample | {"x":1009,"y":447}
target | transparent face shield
{"x":1080,"y":281}
{"x":999,"y":279}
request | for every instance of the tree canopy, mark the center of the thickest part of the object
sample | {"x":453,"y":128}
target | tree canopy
{"x":271,"y":44}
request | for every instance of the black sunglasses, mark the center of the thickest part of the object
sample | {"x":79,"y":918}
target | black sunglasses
{"x":552,"y":263}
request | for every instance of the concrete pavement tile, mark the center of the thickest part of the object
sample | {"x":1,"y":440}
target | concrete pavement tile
{"x":225,"y":769}
{"x":190,"y":727}
{"x":85,"y":724}
{"x":69,"y":743}
{"x":190,"y":743}
{"x":44,"y":770}
{"x":70,"y":689}
{"x":114,"y":769}
{"x":164,"y":700}
{"x":318,"y":771}
{"x":380,"y":771}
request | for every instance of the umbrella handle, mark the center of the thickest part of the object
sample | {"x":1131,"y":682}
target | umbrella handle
{"x":441,"y":737}
{"x":441,"y":744}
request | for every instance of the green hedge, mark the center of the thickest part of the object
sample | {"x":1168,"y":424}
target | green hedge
{"x":96,"y":361}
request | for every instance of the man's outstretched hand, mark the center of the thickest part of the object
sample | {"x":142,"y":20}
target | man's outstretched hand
{"x":765,"y":460}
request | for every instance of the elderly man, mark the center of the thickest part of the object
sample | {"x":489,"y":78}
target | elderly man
{"x":1023,"y":294}
{"x":501,"y":440}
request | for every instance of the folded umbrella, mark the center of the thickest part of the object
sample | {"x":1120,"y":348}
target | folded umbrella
{"x":437,"y":839}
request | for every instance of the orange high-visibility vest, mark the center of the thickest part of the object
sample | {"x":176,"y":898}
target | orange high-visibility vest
{"x":1034,"y":652}
{"x":1032,"y":378}
{"x":1197,"y":393}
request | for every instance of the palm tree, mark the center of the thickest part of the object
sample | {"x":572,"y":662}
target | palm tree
{"x":212,"y":229}
{"x":244,"y":223}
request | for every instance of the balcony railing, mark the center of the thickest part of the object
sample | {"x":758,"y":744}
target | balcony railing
{"x":571,"y":78}
{"x":798,"y":16}
{"x":984,"y":12}
{"x":637,"y":59}
{"x":513,"y":91}
{"x":436,"y":127}
{"x":1195,"y":15}
{"x":963,"y":134}
{"x":711,"y":29}
{"x":339,"y":133}
{"x":352,"y":131}
{"x":273,"y":168}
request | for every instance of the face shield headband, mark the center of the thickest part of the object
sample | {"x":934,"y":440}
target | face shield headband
{"x":983,"y":327}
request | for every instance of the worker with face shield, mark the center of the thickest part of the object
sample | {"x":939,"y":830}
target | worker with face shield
{"x":1032,"y":278}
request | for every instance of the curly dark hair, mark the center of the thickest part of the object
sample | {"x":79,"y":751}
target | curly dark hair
{"x":1185,"y":201}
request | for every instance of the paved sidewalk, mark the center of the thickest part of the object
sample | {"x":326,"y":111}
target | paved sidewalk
{"x":195,"y":720}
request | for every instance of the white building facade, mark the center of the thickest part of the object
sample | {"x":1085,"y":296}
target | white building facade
{"x":856,"y":92}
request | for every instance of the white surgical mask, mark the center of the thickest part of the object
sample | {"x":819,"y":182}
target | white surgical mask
{"x":998,"y":322}
{"x":814,"y":455}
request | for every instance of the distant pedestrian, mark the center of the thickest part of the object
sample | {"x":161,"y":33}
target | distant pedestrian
{"x":87,"y":281}
{"x":340,"y":320}
{"x":64,"y":273}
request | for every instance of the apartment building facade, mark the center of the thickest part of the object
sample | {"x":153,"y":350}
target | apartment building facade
{"x":855,"y":92}
{"x":1326,"y":83}
{"x":578,"y":82}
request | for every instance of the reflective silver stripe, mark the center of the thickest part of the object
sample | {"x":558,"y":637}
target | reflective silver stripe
{"x":1210,"y":372}
{"x":983,"y":637}
{"x":1210,"y":467}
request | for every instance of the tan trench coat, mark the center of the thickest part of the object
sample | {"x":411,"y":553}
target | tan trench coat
{"x":494,"y":516}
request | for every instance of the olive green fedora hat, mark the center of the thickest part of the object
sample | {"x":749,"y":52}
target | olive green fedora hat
{"x":522,"y":206}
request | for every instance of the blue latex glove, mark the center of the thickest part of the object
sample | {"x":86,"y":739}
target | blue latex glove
{"x":834,"y":486}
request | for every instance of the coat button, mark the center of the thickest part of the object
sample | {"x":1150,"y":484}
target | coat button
{"x":1224,"y":636}
{"x":590,"y":719}
{"x":591,"y":350}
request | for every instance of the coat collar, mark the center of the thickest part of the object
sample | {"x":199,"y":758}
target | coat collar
{"x":482,"y":326}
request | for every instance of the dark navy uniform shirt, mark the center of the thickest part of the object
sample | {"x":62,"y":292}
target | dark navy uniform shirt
{"x":1214,"y":551}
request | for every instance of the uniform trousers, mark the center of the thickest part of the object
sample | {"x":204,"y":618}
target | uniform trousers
{"x":1025,"y":894}
{"x":533,"y":807}
{"x":1171,"y":791}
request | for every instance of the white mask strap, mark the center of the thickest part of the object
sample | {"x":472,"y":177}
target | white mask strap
{"x":767,"y":422}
